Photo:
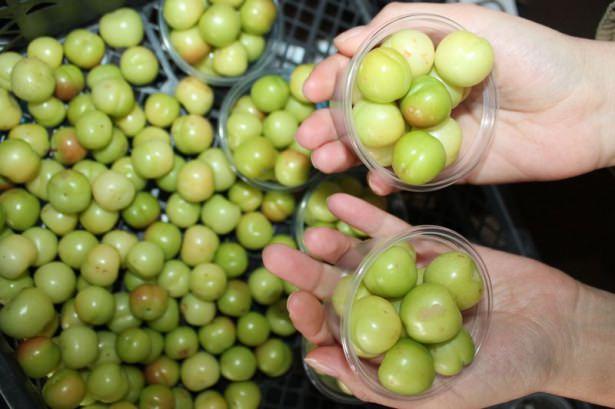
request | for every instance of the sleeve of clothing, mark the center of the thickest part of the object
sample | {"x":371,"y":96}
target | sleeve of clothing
{"x":606,"y":28}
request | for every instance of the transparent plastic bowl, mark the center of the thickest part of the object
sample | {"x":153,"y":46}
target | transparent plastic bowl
{"x":481,"y":103}
{"x":395,"y":206}
{"x":273,"y":37}
{"x":323,"y":383}
{"x":429,"y":242}
{"x":237,"y":91}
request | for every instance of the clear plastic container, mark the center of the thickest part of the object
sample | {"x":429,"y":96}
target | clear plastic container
{"x":395,"y":205}
{"x":480,"y":104}
{"x":273,"y":37}
{"x":237,"y":91}
{"x":429,"y":242}
{"x":326,"y":385}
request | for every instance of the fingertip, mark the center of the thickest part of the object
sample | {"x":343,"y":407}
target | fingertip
{"x":333,"y":157}
{"x":377,"y":185}
{"x":271,"y":254}
{"x":349,"y":41}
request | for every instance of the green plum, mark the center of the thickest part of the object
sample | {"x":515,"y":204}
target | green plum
{"x":106,"y":348}
{"x":98,"y":220}
{"x":156,"y":397}
{"x":374,"y":325}
{"x":95,"y":305}
{"x":279,"y":320}
{"x":65,"y":389}
{"x":11,"y":110}
{"x":69,"y":191}
{"x":416,"y":47}
{"x":117,"y":148}
{"x":253,"y":44}
{"x":79,"y":345}
{"x":125,"y":167}
{"x":18,"y":162}
{"x":167,"y":236}
{"x":246,"y":105}
{"x":192,"y":134}
{"x":181,"y":343}
{"x":114,"y":97}
{"x":200,"y":372}
{"x":195,"y":181}
{"x":243,"y":395}
{"x":139,"y":65}
{"x":280,"y":128}
{"x":32,"y":80}
{"x":378,"y":125}
{"x":57,"y":280}
{"x":249,"y":198}
{"x":196,"y":311}
{"x":242,"y":126}
{"x":464,"y":59}
{"x":27,"y":314}
{"x":451,"y":356}
{"x":449,"y":133}
{"x":274,"y":358}
{"x":181,"y":212}
{"x":265,"y":287}
{"x":427,"y":103}
{"x":430,"y":314}
{"x":84,"y":48}
{"x":457,"y":94}
{"x":255,"y":157}
{"x":224,"y":177}
{"x":418,"y":157}
{"x":38,"y":356}
{"x":254,"y":231}
{"x":107,"y":382}
{"x":142,"y":212}
{"x":407,"y":368}
{"x":163,"y":371}
{"x":122,"y":241}
{"x":94,"y":130}
{"x":252,"y":329}
{"x":175,"y":278}
{"x":21,"y":209}
{"x":148,"y":301}
{"x":190,"y":46}
{"x":169,"y":320}
{"x":217,"y":336}
{"x":101,"y":265}
{"x":8,"y":59}
{"x":168,"y":182}
{"x":220,"y":214}
{"x":238,"y":363}
{"x":257,"y":16}
{"x":183,"y":398}
{"x":270,"y":93}
{"x":199,"y":245}
{"x":133,"y":345}
{"x":210,"y":400}
{"x":65,"y":146}
{"x":161,"y":110}
{"x":297,"y":80}
{"x":236,"y":300}
{"x":58,"y":222}
{"x":231,"y":60}
{"x":182,"y":14}
{"x":220,"y":25}
{"x":194,"y":95}
{"x":133,"y":122}
{"x":317,"y":207}
{"x":145,"y":259}
{"x":69,"y":82}
{"x":10,"y":288}
{"x":233,"y":258}
{"x":48,"y":113}
{"x":393,"y":273}
{"x":135,"y":383}
{"x":384,"y":75}
{"x":35,"y":135}
{"x":208,"y":281}
{"x":121,"y":28}
{"x":292,"y":168}
{"x":458,"y":273}
{"x":74,"y":247}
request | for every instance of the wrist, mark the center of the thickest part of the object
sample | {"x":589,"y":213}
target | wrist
{"x":585,"y":369}
{"x":598,"y":58}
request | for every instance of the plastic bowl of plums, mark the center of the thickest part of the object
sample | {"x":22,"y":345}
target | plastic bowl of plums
{"x":417,"y":103}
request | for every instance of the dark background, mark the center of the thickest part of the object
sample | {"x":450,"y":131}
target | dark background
{"x":572,"y":222}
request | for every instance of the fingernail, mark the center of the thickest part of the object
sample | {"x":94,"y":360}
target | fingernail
{"x":349,"y":34}
{"x":320,"y":367}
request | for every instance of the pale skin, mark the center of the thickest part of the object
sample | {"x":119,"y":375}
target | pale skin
{"x":549,"y":332}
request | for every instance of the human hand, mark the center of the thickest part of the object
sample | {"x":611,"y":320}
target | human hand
{"x":548,"y":332}
{"x":556,"y":95}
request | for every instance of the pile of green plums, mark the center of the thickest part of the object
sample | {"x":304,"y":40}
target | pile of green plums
{"x":316,"y":210}
{"x":404,"y":96}
{"x":124,"y":236}
{"x":221,"y":38}
{"x":410,"y":317}
{"x":261,"y":127}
